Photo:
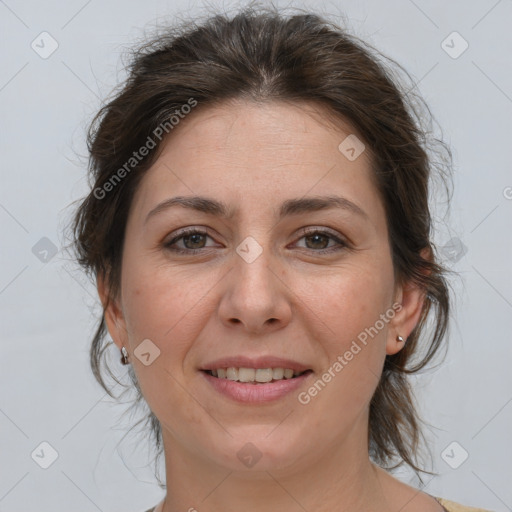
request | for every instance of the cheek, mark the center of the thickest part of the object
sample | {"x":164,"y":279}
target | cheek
{"x":347,"y":314}
{"x":350,"y":301}
{"x":165,"y":305}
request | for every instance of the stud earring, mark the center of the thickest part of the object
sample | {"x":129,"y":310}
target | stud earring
{"x":124,"y":357}
{"x":400,"y":339}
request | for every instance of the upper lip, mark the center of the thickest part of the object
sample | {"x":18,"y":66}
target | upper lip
{"x":255,"y":362}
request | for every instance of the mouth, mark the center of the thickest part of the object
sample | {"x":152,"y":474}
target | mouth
{"x":255,"y":385}
{"x":255,"y":380}
{"x":256,"y":376}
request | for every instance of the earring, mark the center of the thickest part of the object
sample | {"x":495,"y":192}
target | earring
{"x":124,"y":356}
{"x":400,"y":339}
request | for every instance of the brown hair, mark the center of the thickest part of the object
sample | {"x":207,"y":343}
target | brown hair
{"x":264,"y":55}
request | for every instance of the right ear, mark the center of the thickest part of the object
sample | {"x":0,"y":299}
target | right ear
{"x":113,"y":314}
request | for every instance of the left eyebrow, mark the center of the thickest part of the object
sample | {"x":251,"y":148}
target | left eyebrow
{"x":289,"y":207}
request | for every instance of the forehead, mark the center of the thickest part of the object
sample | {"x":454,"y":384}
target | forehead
{"x":259,"y":152}
{"x":273,"y":125}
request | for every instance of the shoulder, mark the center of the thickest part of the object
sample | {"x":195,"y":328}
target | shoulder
{"x":452,"y":506}
{"x":157,"y":508}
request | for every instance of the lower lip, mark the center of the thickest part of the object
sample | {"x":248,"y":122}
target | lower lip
{"x":255,"y":393}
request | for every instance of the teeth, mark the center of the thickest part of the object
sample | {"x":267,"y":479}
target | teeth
{"x":264,"y":375}
{"x":288,"y":374}
{"x":246,"y":374}
{"x":232,"y":373}
{"x":277,"y":373}
{"x":254,"y":374}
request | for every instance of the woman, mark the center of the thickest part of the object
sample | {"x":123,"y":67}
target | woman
{"x":260,"y":235}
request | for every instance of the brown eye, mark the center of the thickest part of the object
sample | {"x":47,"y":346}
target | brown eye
{"x":193,"y":241}
{"x":318,"y":241}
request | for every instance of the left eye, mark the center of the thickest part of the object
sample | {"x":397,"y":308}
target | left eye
{"x":316,"y":236}
{"x":197,"y":238}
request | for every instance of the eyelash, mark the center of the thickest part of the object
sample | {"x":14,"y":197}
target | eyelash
{"x":305,"y":233}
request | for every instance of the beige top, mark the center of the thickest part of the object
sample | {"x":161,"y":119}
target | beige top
{"x":449,"y":506}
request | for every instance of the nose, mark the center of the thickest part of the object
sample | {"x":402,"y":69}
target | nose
{"x":256,"y":297}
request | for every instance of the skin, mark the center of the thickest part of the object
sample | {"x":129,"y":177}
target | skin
{"x":292,"y":301}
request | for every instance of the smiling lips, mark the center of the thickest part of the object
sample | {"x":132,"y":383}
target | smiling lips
{"x":255,"y":380}
{"x":254,"y":375}
{"x":258,"y":369}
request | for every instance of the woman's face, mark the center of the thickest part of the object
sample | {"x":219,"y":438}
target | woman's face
{"x":258,"y":292}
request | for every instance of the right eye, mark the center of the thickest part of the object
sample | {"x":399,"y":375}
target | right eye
{"x":189,"y":236}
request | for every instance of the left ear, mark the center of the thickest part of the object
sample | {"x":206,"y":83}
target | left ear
{"x":411,"y":297}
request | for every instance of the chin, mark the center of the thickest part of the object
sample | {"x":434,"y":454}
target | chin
{"x":248,"y":451}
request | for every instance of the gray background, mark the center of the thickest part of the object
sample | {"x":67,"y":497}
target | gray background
{"x":48,"y":393}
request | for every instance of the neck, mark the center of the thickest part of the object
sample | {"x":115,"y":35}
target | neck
{"x":341,"y":478}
